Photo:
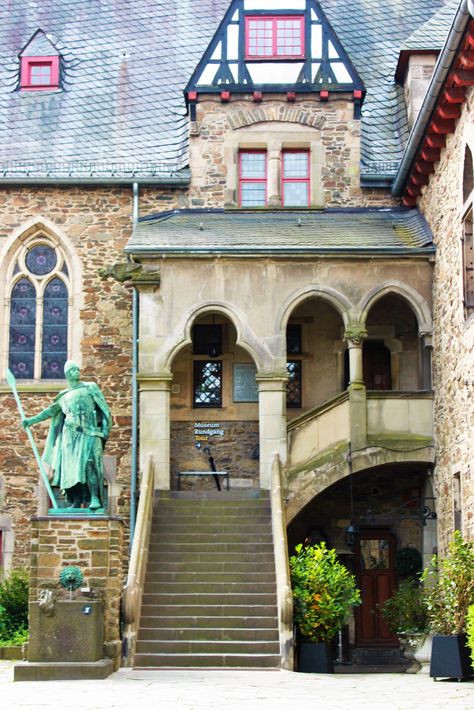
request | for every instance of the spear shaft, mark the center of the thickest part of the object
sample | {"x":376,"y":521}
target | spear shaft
{"x":12,"y":382}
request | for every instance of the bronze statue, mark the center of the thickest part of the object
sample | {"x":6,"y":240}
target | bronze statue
{"x":79,"y":428}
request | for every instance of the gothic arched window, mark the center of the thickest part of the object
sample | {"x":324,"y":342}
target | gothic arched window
{"x":39,"y":306}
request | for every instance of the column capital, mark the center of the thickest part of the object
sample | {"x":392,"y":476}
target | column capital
{"x":147,"y":382}
{"x":355,"y":333}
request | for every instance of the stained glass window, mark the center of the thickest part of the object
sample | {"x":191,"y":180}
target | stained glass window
{"x":39,"y":298}
{"x":55,"y":309}
{"x":41,"y":260}
{"x":22,"y":329}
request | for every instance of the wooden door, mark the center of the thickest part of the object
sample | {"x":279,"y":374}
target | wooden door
{"x":377,"y":366}
{"x":375,"y":556}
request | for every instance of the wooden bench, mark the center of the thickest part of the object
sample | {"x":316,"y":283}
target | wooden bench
{"x":224,"y":474}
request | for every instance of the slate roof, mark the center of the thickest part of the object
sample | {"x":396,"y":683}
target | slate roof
{"x":432,"y":34}
{"x":242,"y":232}
{"x":125,"y":64}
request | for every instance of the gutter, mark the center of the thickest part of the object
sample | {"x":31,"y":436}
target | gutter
{"x":288,"y":252}
{"x":135,"y":304}
{"x":171,"y":181}
{"x":442,"y":68}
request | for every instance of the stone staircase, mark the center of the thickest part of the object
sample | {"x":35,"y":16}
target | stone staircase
{"x":210,"y":592}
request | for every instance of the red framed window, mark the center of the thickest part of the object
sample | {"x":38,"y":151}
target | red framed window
{"x":252,"y":178}
{"x":39,"y":73}
{"x":295,"y":188}
{"x":277,"y":37}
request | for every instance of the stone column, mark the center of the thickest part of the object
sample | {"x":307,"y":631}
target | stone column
{"x":426,"y":354}
{"x":273,"y":174}
{"x":355,"y":336}
{"x":272,"y":423}
{"x":155,"y":424}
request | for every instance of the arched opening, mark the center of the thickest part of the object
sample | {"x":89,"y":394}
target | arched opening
{"x":314,"y":348}
{"x":389,"y":508}
{"x":214,"y":409}
{"x":392,"y":356}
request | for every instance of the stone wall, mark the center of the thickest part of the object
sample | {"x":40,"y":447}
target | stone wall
{"x":96,"y":546}
{"x":453,"y":346}
{"x":235,"y":451}
{"x":93,"y":224}
{"x":328,"y":130}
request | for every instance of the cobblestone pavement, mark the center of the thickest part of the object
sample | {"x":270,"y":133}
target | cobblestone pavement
{"x":236,"y":690}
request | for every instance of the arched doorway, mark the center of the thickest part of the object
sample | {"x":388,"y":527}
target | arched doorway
{"x":385,"y":504}
{"x":315,"y":347}
{"x":392,"y":354}
{"x":214,"y":408}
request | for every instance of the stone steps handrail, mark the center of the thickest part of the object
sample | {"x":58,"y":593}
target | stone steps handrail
{"x":132,"y":594}
{"x":282,"y":567}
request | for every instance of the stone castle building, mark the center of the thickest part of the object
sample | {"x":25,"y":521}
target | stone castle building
{"x":248,"y":225}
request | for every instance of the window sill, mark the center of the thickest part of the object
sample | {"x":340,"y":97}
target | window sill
{"x":34,"y":386}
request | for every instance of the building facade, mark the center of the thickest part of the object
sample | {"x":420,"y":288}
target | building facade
{"x":197,"y":207}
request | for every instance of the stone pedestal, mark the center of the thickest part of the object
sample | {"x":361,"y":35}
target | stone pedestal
{"x":67,"y":643}
{"x":73,"y":632}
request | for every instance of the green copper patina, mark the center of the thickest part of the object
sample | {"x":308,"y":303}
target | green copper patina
{"x":74,"y":448}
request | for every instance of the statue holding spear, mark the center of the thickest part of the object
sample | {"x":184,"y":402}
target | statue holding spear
{"x":80,"y":426}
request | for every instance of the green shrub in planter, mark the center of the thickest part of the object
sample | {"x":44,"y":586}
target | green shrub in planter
{"x":406,"y":612}
{"x":449,"y":584}
{"x":14,"y":606}
{"x":470,"y":632}
{"x":323,"y":592}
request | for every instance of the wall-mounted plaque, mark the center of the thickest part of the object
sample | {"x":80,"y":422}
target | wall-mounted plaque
{"x":245,"y":386}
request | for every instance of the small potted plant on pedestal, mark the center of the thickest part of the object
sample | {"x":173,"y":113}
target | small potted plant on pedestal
{"x":324,"y":593}
{"x":406,"y":616}
{"x":449,"y":583}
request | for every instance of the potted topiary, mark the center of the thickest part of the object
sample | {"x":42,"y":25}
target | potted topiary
{"x":449,"y":583}
{"x":323,"y":594}
{"x":406,"y":616}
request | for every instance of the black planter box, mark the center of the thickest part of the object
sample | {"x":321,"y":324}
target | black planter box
{"x":450,"y":658}
{"x":315,"y":658}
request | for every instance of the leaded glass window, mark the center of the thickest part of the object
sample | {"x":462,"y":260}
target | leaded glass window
{"x":294,"y":384}
{"x":39,"y":312}
{"x":207,"y":383}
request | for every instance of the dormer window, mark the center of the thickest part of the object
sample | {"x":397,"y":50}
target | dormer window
{"x":277,"y":37}
{"x":39,"y":73}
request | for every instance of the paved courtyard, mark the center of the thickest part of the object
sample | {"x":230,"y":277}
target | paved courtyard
{"x":236,"y":690}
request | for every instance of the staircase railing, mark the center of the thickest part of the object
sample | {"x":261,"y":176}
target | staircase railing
{"x":280,"y":544}
{"x":133,"y":592}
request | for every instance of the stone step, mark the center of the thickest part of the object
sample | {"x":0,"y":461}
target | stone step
{"x":178,"y":548}
{"x":208,"y":598}
{"x":205,"y":660}
{"x":214,"y":495}
{"x":188,"y":588}
{"x":212,"y":566}
{"x":209,"y":576}
{"x":221,"y":647}
{"x":204,"y":537}
{"x":196,"y":525}
{"x":207,"y":634}
{"x":207,"y":622}
{"x":157,"y":556}
{"x":215,"y":609}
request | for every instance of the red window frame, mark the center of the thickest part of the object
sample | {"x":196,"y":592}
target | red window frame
{"x":306,"y":179}
{"x":261,"y":180}
{"x":274,"y":19}
{"x":27,"y":63}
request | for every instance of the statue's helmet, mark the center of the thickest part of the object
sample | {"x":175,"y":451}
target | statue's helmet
{"x":69,"y":364}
